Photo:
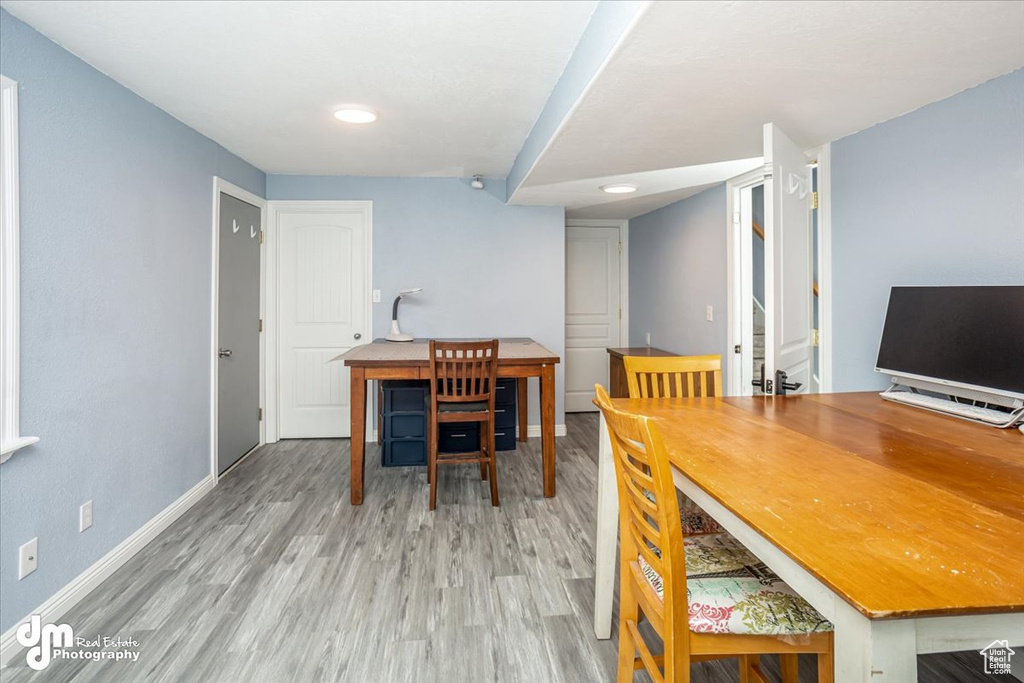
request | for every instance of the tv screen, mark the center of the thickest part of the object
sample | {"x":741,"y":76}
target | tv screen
{"x":965,"y":335}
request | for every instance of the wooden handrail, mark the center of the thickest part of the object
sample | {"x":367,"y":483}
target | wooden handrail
{"x":759,"y":231}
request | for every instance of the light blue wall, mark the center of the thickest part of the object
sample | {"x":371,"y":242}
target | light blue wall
{"x":486,"y":268}
{"x":677,"y":258}
{"x":606,"y":26}
{"x":115,"y":318}
{"x":933,"y":197}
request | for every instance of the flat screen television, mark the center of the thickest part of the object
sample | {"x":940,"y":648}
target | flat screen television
{"x":968,"y":337}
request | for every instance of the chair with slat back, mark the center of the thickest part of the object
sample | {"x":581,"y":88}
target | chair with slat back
{"x":678,"y":376}
{"x":463,"y":378}
{"x":673,"y":376}
{"x":706,"y":596}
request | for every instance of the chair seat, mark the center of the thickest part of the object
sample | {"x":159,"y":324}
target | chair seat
{"x":444,"y":407}
{"x":730,"y":591}
{"x":693,"y":518}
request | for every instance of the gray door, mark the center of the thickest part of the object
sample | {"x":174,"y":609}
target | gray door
{"x":238,"y":315}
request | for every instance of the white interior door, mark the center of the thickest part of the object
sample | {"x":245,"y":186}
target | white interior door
{"x":788,"y":294}
{"x":592,"y":311}
{"x":323,"y":261}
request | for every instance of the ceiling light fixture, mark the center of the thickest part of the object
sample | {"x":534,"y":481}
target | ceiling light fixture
{"x":355,"y":113}
{"x":618,"y":188}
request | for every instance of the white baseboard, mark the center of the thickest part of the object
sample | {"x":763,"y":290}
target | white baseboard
{"x":73,"y":593}
{"x":532,"y":432}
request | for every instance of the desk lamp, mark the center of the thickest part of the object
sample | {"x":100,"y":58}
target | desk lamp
{"x":396,"y":334}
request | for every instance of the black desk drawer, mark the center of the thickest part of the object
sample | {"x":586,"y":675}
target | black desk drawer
{"x":458,"y":437}
{"x":506,"y":392}
{"x":504,"y":416}
{"x":505,"y":438}
{"x":404,"y":452}
{"x":405,"y":396}
{"x":404,"y":426}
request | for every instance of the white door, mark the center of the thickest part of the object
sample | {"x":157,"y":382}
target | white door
{"x":788,"y":293}
{"x":323,"y":262}
{"x":592,"y":311}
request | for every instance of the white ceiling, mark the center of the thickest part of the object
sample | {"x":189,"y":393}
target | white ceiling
{"x":458,"y":84}
{"x":679,"y":103}
{"x":694,"y":82}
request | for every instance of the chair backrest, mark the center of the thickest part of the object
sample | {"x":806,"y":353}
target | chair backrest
{"x":648,"y":508}
{"x":463,"y":372}
{"x":673,"y":376}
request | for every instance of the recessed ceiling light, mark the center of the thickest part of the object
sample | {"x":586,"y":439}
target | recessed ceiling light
{"x":354,"y":113}
{"x":618,"y":188}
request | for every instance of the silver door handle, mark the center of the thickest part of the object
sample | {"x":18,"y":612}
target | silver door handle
{"x":224,"y":353}
{"x":357,"y":335}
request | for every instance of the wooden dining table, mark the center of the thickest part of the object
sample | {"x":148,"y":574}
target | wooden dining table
{"x":903,"y":527}
{"x":518,"y":357}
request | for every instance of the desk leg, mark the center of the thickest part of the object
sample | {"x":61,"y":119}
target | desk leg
{"x":358,"y":405}
{"x":547,"y":427}
{"x":873,"y":651}
{"x":524,"y":413}
{"x":607,"y":535}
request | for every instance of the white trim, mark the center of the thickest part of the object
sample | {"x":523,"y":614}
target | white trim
{"x":734,"y":293}
{"x":10,"y":256}
{"x":623,"y":227}
{"x":70,"y":595}
{"x":824,"y":155}
{"x":271,"y":284}
{"x":220,"y":185}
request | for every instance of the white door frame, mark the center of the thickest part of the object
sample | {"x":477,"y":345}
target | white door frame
{"x":734,"y":288}
{"x":272,"y":408}
{"x":623,"y":227}
{"x":735,"y":293}
{"x":220,"y":185}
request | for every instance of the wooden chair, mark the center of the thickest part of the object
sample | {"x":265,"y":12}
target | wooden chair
{"x":706,"y":596}
{"x":668,"y":376}
{"x":673,"y":376}
{"x":463,"y":379}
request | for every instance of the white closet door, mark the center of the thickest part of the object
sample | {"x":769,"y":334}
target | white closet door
{"x":322,"y":266}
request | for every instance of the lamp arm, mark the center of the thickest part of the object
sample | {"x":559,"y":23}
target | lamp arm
{"x":394,"y":309}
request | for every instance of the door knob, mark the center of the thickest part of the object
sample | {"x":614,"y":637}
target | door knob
{"x":224,"y":353}
{"x":357,"y":335}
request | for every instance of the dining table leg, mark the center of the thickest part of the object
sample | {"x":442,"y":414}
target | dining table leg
{"x":547,"y":427}
{"x":607,"y":534}
{"x":358,"y":445}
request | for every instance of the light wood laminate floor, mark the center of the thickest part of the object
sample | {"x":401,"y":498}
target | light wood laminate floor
{"x":275,"y":577}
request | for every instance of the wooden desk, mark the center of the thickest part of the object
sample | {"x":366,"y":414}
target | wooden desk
{"x":618,"y":385}
{"x":520,"y":358}
{"x":902,"y":527}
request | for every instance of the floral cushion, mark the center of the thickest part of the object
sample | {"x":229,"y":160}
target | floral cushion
{"x":693,"y":518}
{"x":731,"y":591}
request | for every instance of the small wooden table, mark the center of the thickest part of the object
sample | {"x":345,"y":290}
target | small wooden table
{"x":618,"y":385}
{"x":903,"y":527}
{"x":519,"y":357}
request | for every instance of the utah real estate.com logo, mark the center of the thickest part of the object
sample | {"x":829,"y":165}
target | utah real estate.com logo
{"x":997,"y":657}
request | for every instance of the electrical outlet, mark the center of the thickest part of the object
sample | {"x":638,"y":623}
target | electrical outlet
{"x":376,"y":296}
{"x":28,"y":558}
{"x":710,"y":313}
{"x":647,"y":338}
{"x":85,"y":516}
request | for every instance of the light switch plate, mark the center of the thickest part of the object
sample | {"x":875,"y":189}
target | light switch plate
{"x":85,"y":516}
{"x":647,"y":338}
{"x":28,"y":558}
{"x":376,"y":296}
{"x":711,"y":313}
